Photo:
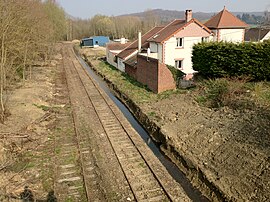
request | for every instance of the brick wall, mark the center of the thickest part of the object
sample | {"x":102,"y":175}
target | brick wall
{"x":154,"y":74}
{"x":165,"y":78}
{"x":147,"y":72}
{"x":131,"y":71}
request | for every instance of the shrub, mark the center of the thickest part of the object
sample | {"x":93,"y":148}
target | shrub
{"x":215,"y":93}
{"x":177,"y":74}
{"x":215,"y":60}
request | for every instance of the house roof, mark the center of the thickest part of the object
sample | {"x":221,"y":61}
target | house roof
{"x":225,"y":19}
{"x":167,"y":30}
{"x":172,"y":28}
{"x":256,"y":34}
{"x":134,"y":46}
{"x":117,"y":46}
{"x":132,"y":61}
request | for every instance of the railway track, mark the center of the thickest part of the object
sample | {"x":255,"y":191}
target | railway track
{"x":143,"y":176}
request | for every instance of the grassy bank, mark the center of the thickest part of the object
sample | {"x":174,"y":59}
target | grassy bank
{"x":233,"y":93}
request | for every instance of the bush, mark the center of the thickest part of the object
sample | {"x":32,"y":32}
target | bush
{"x":216,"y":60}
{"x":215,"y":93}
{"x":177,"y":74}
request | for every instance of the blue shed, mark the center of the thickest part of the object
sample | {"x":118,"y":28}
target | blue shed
{"x":95,"y":41}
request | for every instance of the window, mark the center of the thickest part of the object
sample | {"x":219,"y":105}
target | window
{"x":205,"y":39}
{"x":179,"y":42}
{"x":179,"y":64}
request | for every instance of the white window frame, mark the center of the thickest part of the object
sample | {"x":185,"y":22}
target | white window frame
{"x":180,"y":42}
{"x":179,"y":64}
{"x":205,"y":39}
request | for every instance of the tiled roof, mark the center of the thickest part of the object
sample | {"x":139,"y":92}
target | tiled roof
{"x":167,"y":31}
{"x":132,"y":61}
{"x":256,"y":34}
{"x":225,"y":19}
{"x":172,"y":28}
{"x":117,"y":46}
{"x":134,"y":46}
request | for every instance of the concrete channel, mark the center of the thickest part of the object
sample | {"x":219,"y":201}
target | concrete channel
{"x":175,"y":172}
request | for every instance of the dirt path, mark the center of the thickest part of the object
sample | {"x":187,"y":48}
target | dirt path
{"x":26,"y":143}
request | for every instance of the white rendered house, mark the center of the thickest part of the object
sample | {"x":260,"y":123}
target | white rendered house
{"x":227,"y":27}
{"x":173,"y":44}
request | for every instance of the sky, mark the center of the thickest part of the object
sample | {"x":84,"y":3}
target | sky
{"x":88,"y":8}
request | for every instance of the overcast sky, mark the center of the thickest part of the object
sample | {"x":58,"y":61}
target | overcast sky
{"x":89,"y":8}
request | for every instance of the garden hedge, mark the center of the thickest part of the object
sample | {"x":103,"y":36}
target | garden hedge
{"x":223,"y":59}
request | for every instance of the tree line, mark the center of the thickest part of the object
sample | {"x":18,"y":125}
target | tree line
{"x":255,"y":19}
{"x":251,"y":19}
{"x":28,"y":29}
{"x":114,"y":27}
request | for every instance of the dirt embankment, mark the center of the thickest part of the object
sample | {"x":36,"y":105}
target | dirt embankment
{"x":224,"y":152}
{"x":25,"y":137}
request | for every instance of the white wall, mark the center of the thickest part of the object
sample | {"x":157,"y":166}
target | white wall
{"x":232,"y":35}
{"x":156,"y":48}
{"x":120,"y":61}
{"x":160,"y":52}
{"x":267,"y":37}
{"x":172,"y":52}
{"x":120,"y":64}
{"x":192,"y":34}
{"x":110,"y":57}
{"x":215,"y":35}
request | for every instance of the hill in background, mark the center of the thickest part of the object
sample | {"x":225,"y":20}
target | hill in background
{"x":168,"y":15}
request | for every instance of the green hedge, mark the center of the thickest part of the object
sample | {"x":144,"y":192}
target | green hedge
{"x":214,"y":60}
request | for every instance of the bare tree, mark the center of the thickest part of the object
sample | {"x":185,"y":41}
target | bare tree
{"x":27,"y":33}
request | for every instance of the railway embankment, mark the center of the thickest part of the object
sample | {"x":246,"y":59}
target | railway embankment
{"x":224,"y":152}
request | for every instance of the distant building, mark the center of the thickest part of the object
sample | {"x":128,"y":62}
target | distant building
{"x":257,"y":34}
{"x":95,"y":41}
{"x":86,"y":42}
{"x":121,"y":40}
{"x":227,"y":27}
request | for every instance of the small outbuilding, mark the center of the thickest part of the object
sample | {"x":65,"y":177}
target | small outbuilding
{"x":95,"y":41}
{"x":112,"y":49}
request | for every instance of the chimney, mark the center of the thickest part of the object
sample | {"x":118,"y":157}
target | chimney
{"x":139,"y":42}
{"x":188,"y":15}
{"x":122,"y":40}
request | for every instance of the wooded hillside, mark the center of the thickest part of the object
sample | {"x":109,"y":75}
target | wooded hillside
{"x":27,"y":31}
